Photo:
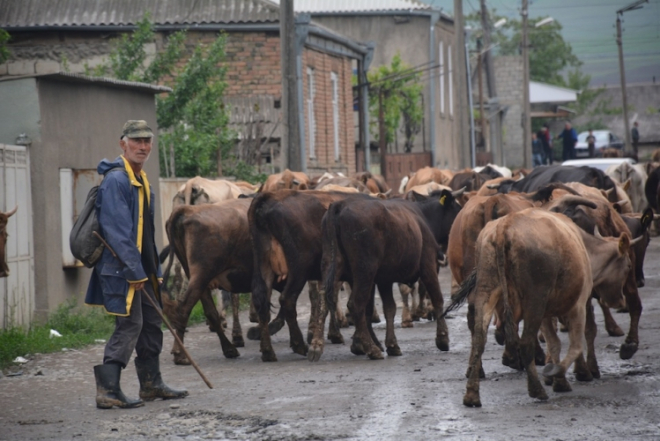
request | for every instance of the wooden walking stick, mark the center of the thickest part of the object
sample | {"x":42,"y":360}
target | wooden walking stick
{"x":160,"y":313}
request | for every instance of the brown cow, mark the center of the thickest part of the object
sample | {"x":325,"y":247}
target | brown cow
{"x":287,"y":180}
{"x":4,"y":218}
{"x":343,"y":182}
{"x":213,"y":244}
{"x":470,"y":180}
{"x":556,"y":267}
{"x":375,"y":242}
{"x":375,"y":183}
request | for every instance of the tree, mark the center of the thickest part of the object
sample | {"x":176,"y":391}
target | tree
{"x":397,"y":88}
{"x":195,"y":138}
{"x":549,"y":53}
{"x":4,"y":51}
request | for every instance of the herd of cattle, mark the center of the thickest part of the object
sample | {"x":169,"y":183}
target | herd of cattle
{"x":532,"y":246}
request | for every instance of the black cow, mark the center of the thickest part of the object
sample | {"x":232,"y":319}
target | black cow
{"x":541,"y":176}
{"x":372,"y":243}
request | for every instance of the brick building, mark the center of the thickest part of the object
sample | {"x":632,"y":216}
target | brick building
{"x":67,"y":35}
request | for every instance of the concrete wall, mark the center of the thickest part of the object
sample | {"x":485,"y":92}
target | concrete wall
{"x":508,"y":81}
{"x":409,"y":36}
{"x":80,"y":125}
{"x":19,"y":112}
{"x":446,"y":137}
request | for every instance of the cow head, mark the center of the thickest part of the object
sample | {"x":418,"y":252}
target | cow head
{"x":440,"y":208}
{"x":4,"y":218}
{"x":639,"y":227}
{"x":610,"y":265}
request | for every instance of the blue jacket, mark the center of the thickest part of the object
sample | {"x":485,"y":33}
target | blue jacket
{"x":569,"y":137}
{"x":119,"y":206}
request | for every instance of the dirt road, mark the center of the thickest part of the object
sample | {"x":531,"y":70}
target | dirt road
{"x":415,"y":396}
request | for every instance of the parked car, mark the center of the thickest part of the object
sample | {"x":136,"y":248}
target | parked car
{"x":600,"y":163}
{"x":604,"y":139}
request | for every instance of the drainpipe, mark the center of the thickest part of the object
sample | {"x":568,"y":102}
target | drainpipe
{"x":364,"y":105}
{"x":302,"y":30}
{"x":434,"y":18}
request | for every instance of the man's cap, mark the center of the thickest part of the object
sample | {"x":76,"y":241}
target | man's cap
{"x":135,"y":128}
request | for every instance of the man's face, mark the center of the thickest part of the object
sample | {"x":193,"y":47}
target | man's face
{"x":568,"y":126}
{"x":136,"y":150}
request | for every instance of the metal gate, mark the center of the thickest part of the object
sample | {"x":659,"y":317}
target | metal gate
{"x":395,"y":166}
{"x":17,"y":290}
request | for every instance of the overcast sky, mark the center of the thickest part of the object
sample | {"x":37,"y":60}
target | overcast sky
{"x":589,"y":28}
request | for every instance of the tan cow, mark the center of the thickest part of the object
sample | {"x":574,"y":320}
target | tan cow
{"x":536,"y":265}
{"x":200,"y":190}
{"x":4,"y":218}
{"x":287,"y":180}
{"x":425,"y":175}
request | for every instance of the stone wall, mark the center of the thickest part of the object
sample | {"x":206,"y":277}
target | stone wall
{"x":508,"y":82}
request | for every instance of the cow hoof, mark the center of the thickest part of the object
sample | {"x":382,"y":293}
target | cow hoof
{"x":376,"y":354}
{"x":512,"y":362}
{"x":561,"y":385}
{"x":627,"y":350}
{"x":623,"y":310}
{"x":254,"y":333}
{"x":181,"y":361}
{"x":268,"y":355}
{"x":595,"y":373}
{"x":394,"y":351}
{"x":375,"y":319}
{"x":640,"y":283}
{"x":442,"y":343}
{"x":407,"y":324}
{"x":548,"y":381}
{"x":238,"y":341}
{"x":539,"y":394}
{"x":471,"y":400}
{"x":231,"y":353}
{"x":585,"y":376}
{"x":615,"y":332}
{"x":499,"y":336}
{"x":314,"y":354}
{"x":254,"y":318}
{"x":336,"y":339}
{"x":552,"y":370}
{"x":357,"y":349}
{"x":299,"y":348}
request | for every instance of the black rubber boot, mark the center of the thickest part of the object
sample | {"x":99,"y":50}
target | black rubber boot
{"x":151,"y":383}
{"x":108,"y":392}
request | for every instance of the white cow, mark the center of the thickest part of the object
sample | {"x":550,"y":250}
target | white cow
{"x":632,"y":178}
{"x":200,"y":190}
{"x":504,"y":171}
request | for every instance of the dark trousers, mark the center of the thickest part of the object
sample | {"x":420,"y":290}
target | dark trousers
{"x":568,"y":153}
{"x":547,"y":155}
{"x":140,"y":331}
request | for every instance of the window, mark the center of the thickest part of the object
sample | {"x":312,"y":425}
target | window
{"x":441,"y":78}
{"x":335,"y":112}
{"x":311,"y":124}
{"x":451,"y":85}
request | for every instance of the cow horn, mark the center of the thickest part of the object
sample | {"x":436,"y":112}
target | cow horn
{"x":9,"y":213}
{"x":622,"y":202}
{"x":626,"y":185}
{"x":656,"y":217}
{"x":635,"y":240}
{"x":597,"y":233}
{"x":459,"y":192}
{"x":609,"y":192}
{"x":493,"y":186}
{"x":296,"y":182}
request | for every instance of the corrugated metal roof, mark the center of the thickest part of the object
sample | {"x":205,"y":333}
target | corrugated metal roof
{"x":79,"y":78}
{"x":328,"y":6}
{"x":42,"y":13}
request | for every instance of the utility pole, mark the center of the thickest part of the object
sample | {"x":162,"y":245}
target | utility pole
{"x":622,"y":70}
{"x":459,"y":76}
{"x":527,"y":121}
{"x":482,"y":115}
{"x":487,"y":63}
{"x":290,"y":147}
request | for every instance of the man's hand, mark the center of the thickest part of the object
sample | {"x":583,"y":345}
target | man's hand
{"x":138,"y":286}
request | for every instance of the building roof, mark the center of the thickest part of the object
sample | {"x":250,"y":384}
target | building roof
{"x":79,"y":78}
{"x":547,"y":93}
{"x":329,"y":6}
{"x":85,"y":13}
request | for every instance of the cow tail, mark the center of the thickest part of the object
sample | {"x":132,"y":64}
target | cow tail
{"x":261,"y":236}
{"x":167,"y":253}
{"x":175,"y":235}
{"x":330,"y":231}
{"x":460,"y":296}
{"x":500,"y":260}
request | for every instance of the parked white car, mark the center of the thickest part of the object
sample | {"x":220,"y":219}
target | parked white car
{"x":600,"y":163}
{"x":604,"y":139}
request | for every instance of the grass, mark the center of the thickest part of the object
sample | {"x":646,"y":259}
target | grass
{"x":78,"y":327}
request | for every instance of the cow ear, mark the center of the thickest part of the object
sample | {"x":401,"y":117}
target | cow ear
{"x":302,"y":186}
{"x":647,"y":218}
{"x":617,"y":207}
{"x":446,"y":198}
{"x":624,"y":244}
